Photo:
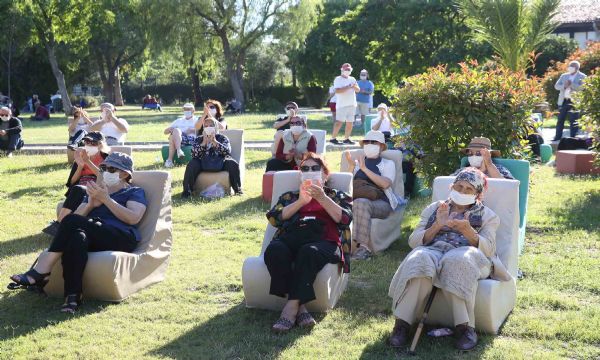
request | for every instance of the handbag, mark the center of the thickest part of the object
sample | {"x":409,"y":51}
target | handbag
{"x":363,"y":189}
{"x":301,"y":232}
{"x":212,"y":163}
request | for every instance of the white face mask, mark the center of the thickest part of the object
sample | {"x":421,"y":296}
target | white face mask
{"x":290,"y":112}
{"x":572,"y":70}
{"x":314,"y":176}
{"x":111,"y":179}
{"x":91,"y":150}
{"x":346,"y":72}
{"x":371,"y":150}
{"x":296,"y":129}
{"x":462,"y":199}
{"x":187,"y":114}
{"x":213,"y":112}
{"x":209,"y":130}
{"x":5,"y":118}
{"x":475,"y":160}
{"x":363,"y":77}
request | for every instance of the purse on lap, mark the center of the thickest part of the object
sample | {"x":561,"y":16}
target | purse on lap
{"x":212,"y":163}
{"x":366,"y":190}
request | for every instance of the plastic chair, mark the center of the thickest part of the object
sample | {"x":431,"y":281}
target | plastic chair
{"x":187,"y":150}
{"x":545,"y":152}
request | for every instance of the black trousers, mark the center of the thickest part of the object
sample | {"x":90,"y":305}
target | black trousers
{"x":294,"y":270}
{"x":75,"y":196}
{"x":409,"y":184}
{"x":280,"y":165}
{"x":78,"y":235}
{"x":567,"y":109}
{"x":194,"y":168}
{"x":11,"y":144}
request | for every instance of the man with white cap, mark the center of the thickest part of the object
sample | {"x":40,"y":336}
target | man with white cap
{"x":364,"y":98}
{"x":383,"y":121}
{"x":181,"y":132}
{"x":346,"y":88}
{"x":113,"y":128}
{"x":568,"y":83}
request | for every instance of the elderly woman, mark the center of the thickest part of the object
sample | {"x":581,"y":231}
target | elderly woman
{"x":212,"y":109}
{"x":211,"y":152}
{"x":372,"y":192}
{"x":312,"y":228}
{"x":106,"y":221}
{"x":292,"y":146}
{"x":454,"y":244}
{"x":480,"y":155}
{"x":283,"y":123}
{"x":181,"y":132}
{"x":79,"y":125}
{"x":85,"y":169}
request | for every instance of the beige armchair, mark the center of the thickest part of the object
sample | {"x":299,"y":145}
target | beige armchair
{"x":206,"y":179}
{"x":114,"y":275}
{"x":331,"y":280}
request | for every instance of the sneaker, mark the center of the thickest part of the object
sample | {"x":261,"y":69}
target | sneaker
{"x":361,"y":254}
{"x":180,"y":153}
{"x":349,"y":142}
{"x":169,"y":164}
{"x":51,"y":229}
{"x":9,"y":155}
{"x":186,"y":194}
{"x":334,"y":141}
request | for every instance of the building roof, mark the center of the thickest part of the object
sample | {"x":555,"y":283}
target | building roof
{"x":578,"y":11}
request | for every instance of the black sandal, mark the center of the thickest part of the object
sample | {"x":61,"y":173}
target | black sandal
{"x":305,"y":320}
{"x":286,"y":325}
{"x":22,"y":282}
{"x":71,"y":304}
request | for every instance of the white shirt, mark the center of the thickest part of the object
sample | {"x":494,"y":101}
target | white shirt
{"x":386,"y":124}
{"x":81,"y":125}
{"x":348,"y":97}
{"x":184,"y":124}
{"x":110,"y":129}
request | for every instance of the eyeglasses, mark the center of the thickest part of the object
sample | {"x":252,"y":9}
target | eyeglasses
{"x":476,"y":153}
{"x":296,"y":123}
{"x":306,"y":168}
{"x":290,"y":108}
{"x":110,"y":169}
{"x":91,"y":142}
{"x":367,"y":142}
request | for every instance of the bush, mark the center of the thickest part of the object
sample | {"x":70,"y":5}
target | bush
{"x":90,"y":101}
{"x":554,"y":49}
{"x":315,"y":96}
{"x":589,"y":59}
{"x":264,"y":105}
{"x":446,"y":110}
{"x":588,"y":100}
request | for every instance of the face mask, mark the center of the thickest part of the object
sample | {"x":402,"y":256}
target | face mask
{"x":475,"y":161}
{"x":187,"y":114}
{"x":290,"y":112}
{"x":209,"y":130}
{"x":363,"y":77}
{"x":111,"y":179}
{"x":462,"y":199}
{"x":213,"y":112}
{"x":314,"y":176}
{"x":346,"y":72}
{"x":91,"y":150}
{"x":371,"y":150}
{"x":5,"y":118}
{"x":572,"y":69}
{"x":296,"y":129}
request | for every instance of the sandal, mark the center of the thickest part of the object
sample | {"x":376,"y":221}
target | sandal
{"x":305,"y":320}
{"x":71,"y":304}
{"x":282,"y":325}
{"x":21,"y":281}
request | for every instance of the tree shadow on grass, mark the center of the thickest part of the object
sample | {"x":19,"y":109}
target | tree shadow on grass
{"x":24,"y":245}
{"x":579,"y":213}
{"x":239,"y":209}
{"x":258,"y":163}
{"x":36,"y":191}
{"x":40,"y":169}
{"x":238,"y":333}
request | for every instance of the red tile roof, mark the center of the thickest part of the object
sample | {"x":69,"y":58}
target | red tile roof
{"x":578,"y":11}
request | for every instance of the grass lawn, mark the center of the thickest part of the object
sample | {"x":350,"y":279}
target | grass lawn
{"x":148,"y":125}
{"x":198,"y":312}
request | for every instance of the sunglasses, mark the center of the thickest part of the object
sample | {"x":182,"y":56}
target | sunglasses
{"x":476,"y":153}
{"x":296,"y":123}
{"x":306,"y":168}
{"x":110,"y":169}
{"x":290,"y":108}
{"x":212,"y":107}
{"x":91,"y":142}
{"x":367,"y":142}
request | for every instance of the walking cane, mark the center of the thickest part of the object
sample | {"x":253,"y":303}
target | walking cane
{"x":422,"y":322}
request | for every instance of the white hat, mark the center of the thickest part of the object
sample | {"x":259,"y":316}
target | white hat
{"x":375,"y":135}
{"x":188,"y":106}
{"x":382,"y":106}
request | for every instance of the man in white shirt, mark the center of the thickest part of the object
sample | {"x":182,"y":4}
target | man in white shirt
{"x":181,"y":132}
{"x":568,"y":83}
{"x":113,"y":128}
{"x":346,"y":88}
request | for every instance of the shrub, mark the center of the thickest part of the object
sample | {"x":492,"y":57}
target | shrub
{"x":555,"y":48}
{"x":264,"y":105}
{"x":446,"y":110}
{"x":316,"y":96}
{"x":588,"y":100}
{"x":589,"y":59}
{"x":90,"y":101}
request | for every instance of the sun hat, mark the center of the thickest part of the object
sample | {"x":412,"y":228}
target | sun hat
{"x":382,"y":106}
{"x":481,"y":143}
{"x":375,"y":135}
{"x":120,"y":161}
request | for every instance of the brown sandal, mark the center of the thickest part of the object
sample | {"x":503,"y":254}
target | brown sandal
{"x":305,"y":320}
{"x":282,"y":325}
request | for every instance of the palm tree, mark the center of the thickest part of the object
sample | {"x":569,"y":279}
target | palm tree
{"x":514,"y":28}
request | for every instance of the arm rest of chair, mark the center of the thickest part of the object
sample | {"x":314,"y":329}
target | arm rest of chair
{"x":493,"y":302}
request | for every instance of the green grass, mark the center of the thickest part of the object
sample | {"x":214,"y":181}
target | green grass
{"x":198,"y":312}
{"x":148,"y":125}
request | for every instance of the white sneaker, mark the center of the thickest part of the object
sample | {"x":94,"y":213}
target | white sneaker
{"x":169,"y":164}
{"x":180,"y":153}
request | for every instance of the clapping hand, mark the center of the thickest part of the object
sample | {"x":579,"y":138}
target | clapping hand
{"x":79,"y":160}
{"x":97,"y":191}
{"x":360,"y":162}
{"x":305,"y":198}
{"x":442,"y":214}
{"x":316,"y":192}
{"x":349,"y":160}
{"x":461,"y":226}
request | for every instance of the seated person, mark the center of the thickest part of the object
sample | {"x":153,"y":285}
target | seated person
{"x":453,"y":246}
{"x":312,"y":228}
{"x":106,"y":221}
{"x":211,"y":152}
{"x":212,"y":109}
{"x":182,"y":132}
{"x":480,"y":155}
{"x":372,"y":195}
{"x":292,"y":146}
{"x":10,"y":132}
{"x":41,"y":113}
{"x":383,"y":122}
{"x":283,"y":123}
{"x":79,"y":125}
{"x":113,"y":128}
{"x":85,"y":169}
{"x":234,"y":106}
{"x":410,"y":152}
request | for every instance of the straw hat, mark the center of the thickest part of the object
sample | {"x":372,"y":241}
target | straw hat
{"x":481,"y":143}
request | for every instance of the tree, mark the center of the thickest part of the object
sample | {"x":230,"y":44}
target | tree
{"x":514,"y":28}
{"x":16,"y":36}
{"x":56,"y":22}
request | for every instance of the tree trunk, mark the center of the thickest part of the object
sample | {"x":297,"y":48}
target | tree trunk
{"x":60,"y":79}
{"x":193,"y":70}
{"x":294,"y":84}
{"x":118,"y":95}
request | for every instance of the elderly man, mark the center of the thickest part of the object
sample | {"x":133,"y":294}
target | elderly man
{"x":181,"y":132}
{"x":41,"y":113}
{"x":364,"y":98}
{"x":113,"y":128}
{"x":346,"y":88}
{"x":10,"y":132}
{"x":567,"y":84}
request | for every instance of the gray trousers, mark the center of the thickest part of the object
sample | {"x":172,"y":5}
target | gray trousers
{"x":363,"y":210}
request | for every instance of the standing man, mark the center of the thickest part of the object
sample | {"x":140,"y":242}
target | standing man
{"x":346,"y":88}
{"x":364,"y":98}
{"x":10,"y":132}
{"x":567,"y":84}
{"x":113,"y":128}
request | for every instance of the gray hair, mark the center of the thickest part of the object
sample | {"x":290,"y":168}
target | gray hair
{"x":575,"y":63}
{"x":108,"y":105}
{"x":7,"y":109}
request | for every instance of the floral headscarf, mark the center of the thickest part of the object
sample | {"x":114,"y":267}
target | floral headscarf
{"x":474,"y":177}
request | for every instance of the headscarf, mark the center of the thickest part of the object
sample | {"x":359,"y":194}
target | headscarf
{"x":474,"y":177}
